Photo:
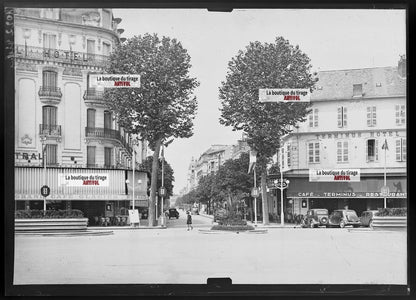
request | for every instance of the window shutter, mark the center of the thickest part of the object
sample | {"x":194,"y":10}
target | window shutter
{"x":344,"y":116}
{"x":376,"y":149}
{"x":398,"y":150}
{"x":404,"y":149}
{"x":316,"y":118}
{"x":374,"y":116}
{"x":366,"y":150}
{"x":339,"y":117}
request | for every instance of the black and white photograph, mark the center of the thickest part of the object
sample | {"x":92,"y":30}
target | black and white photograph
{"x":174,"y":146}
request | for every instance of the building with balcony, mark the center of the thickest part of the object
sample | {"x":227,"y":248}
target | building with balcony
{"x":211,"y":160}
{"x":60,"y":120}
{"x":353,"y":114}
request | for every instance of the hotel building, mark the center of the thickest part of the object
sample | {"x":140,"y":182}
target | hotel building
{"x":354,"y":113}
{"x":62,"y":125}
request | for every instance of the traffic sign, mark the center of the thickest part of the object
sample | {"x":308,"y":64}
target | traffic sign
{"x":279,"y":184}
{"x":162,"y":191}
{"x":45,"y":191}
{"x":385,"y":190}
{"x":255,"y":192}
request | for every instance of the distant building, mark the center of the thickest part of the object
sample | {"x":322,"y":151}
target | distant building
{"x":354,"y":112}
{"x":63,"y":122}
{"x":211,"y":160}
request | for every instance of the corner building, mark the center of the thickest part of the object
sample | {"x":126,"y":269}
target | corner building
{"x":353,"y":113}
{"x":63,"y":122}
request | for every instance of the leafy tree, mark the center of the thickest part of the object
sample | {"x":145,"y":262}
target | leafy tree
{"x":168,"y":176}
{"x":268,"y":65}
{"x":164,"y":107}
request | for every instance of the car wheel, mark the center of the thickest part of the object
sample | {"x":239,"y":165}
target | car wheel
{"x":370,"y":224}
{"x":342,"y":224}
{"x":177,"y":217}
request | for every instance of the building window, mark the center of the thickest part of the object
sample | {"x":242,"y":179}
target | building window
{"x":342,"y":116}
{"x":50,"y":79}
{"x":288,"y":155}
{"x":106,"y":49}
{"x":90,"y":47}
{"x":400,"y":114}
{"x":108,"y":157}
{"x":401,"y":150}
{"x":342,"y":151}
{"x":49,"y":42}
{"x":371,"y":116}
{"x":91,"y":156}
{"x":107,"y":120}
{"x":313,"y":152}
{"x":372,"y":150}
{"x":49,"y":115}
{"x":51,"y":154}
{"x":313,"y":118}
{"x":357,"y":90}
{"x":90,"y":118}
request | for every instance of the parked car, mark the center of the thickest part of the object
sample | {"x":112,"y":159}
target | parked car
{"x":344,"y":217}
{"x":315,"y":217}
{"x":366,"y":218}
{"x":173,"y":213}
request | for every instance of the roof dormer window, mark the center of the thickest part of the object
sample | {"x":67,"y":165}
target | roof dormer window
{"x":357,"y":90}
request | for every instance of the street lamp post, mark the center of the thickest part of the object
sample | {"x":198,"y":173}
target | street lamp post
{"x":163,"y":186}
{"x":282,"y":222}
{"x":43,"y":140}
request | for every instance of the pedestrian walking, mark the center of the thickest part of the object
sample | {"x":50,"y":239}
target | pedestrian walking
{"x":189,"y":220}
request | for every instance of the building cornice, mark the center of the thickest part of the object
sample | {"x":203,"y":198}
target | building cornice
{"x":342,"y":131}
{"x":358,"y":98}
{"x":65,"y":25}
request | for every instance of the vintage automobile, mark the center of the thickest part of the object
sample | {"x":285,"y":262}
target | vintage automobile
{"x":366,"y":218}
{"x":172,"y":213}
{"x":315,"y":217}
{"x":344,"y":217}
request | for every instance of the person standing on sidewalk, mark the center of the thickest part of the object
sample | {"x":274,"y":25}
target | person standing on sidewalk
{"x":189,"y":220}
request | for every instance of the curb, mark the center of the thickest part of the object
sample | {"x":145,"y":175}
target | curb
{"x":82,"y":233}
{"x":256,"y":231}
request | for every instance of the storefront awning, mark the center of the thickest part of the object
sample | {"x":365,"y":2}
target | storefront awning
{"x":366,"y":188}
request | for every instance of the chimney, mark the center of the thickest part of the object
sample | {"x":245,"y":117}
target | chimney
{"x":401,"y":69}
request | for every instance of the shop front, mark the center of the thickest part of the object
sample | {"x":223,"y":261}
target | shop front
{"x":359,"y":196}
{"x":104,"y":196}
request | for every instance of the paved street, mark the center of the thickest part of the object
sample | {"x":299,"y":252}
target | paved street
{"x":178,"y":256}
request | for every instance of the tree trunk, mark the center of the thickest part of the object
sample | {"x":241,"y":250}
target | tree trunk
{"x":264,"y":201}
{"x":153,"y":187}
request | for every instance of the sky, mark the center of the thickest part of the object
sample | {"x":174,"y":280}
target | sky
{"x":333,"y":40}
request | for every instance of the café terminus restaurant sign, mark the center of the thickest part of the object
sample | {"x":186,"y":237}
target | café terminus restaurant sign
{"x":95,"y":180}
{"x":284,"y":95}
{"x":321,"y":175}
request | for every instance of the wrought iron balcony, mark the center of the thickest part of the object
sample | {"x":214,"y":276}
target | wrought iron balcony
{"x":50,"y":95}
{"x":50,"y":131}
{"x":93,"y":97}
{"x":60,"y":55}
{"x":106,"y":133}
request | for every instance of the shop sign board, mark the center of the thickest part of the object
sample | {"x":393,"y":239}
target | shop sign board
{"x":83,"y":179}
{"x":284,"y":95}
{"x":334,"y":175}
{"x":134,"y":216}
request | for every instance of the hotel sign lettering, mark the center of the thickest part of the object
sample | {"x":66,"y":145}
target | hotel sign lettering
{"x":351,"y":134}
{"x":69,"y":55}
